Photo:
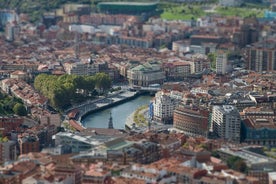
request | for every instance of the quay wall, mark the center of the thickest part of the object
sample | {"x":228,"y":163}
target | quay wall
{"x":89,"y":111}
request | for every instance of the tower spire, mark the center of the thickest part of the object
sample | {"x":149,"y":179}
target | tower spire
{"x":110,"y":122}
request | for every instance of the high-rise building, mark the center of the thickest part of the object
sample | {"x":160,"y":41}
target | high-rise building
{"x":28,"y":143}
{"x":7,"y":151}
{"x":163,"y":107}
{"x":8,"y":16}
{"x":248,"y":33}
{"x":193,"y":121}
{"x":221,"y":62}
{"x":12,"y":31}
{"x":8,"y":124}
{"x":261,"y":56}
{"x":226,"y":122}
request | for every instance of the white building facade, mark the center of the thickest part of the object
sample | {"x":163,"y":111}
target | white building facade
{"x":226,"y":122}
{"x":164,"y":105}
{"x":221,"y":63}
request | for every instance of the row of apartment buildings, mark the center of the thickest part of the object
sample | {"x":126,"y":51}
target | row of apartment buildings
{"x":232,"y":114}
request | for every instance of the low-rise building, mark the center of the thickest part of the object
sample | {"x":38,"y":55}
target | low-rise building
{"x":95,"y":174}
{"x":9,"y":177}
{"x":24,"y":91}
{"x":257,"y":130}
{"x":83,"y":142}
{"x":68,"y":170}
{"x":19,"y":75}
{"x":80,"y":68}
{"x":177,"y":70}
{"x":258,"y":165}
{"x":272,"y":178}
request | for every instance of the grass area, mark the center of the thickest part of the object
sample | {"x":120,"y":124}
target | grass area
{"x":173,"y":11}
{"x":67,"y":126}
{"x":270,"y":152}
{"x":139,"y":117}
{"x":256,"y":5}
{"x":240,"y":12}
{"x":182,"y":12}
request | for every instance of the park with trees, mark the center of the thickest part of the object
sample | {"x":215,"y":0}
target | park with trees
{"x":10,"y":105}
{"x":66,"y":90}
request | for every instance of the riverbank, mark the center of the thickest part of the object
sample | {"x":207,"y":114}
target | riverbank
{"x":119,"y":113}
{"x":83,"y":110}
{"x":107,"y":102}
{"x":130,"y":121}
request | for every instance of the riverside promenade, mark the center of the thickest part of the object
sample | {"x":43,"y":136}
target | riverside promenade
{"x":131,"y":124}
{"x":101,"y":103}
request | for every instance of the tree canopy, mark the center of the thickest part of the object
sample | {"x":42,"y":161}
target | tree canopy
{"x":237,"y":163}
{"x":7,"y":104}
{"x":63,"y":91}
{"x":19,"y":109}
{"x":35,"y":8}
{"x":212,"y":57}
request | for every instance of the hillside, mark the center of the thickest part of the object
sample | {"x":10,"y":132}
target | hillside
{"x":35,"y":8}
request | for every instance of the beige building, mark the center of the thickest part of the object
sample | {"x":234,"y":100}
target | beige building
{"x":19,"y":75}
{"x":177,"y":69}
{"x":80,"y":68}
{"x":146,"y":74}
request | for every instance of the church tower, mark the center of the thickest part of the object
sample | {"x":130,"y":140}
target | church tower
{"x":110,"y":122}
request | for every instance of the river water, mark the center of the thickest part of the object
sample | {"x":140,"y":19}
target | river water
{"x":119,"y":113}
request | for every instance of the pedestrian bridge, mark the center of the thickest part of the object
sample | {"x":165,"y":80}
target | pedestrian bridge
{"x":150,"y":89}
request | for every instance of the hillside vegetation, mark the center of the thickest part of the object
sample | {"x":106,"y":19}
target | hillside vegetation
{"x":35,"y":8}
{"x":170,"y":10}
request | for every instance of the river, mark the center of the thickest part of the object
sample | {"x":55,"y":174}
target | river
{"x":119,"y":113}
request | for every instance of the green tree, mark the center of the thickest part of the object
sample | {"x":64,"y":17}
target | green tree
{"x":215,"y":154}
{"x":212,"y":57}
{"x":2,"y":110}
{"x":62,"y":91}
{"x":236,"y":163}
{"x":240,"y":166}
{"x":19,"y":109}
{"x":102,"y":82}
{"x":89,"y":84}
